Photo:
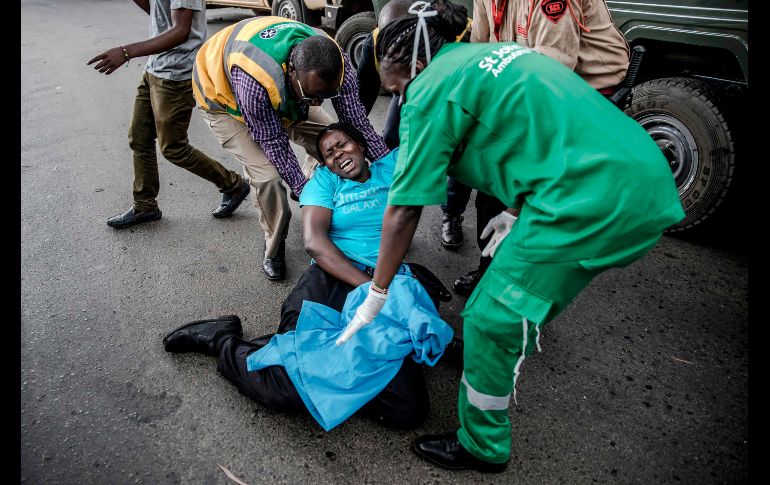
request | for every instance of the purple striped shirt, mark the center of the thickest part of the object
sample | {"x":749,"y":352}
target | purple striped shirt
{"x":265,"y":127}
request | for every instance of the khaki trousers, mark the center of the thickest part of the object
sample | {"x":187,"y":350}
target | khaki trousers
{"x":268,"y":194}
{"x":162,"y":110}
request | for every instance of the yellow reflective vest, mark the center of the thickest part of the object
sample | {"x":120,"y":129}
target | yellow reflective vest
{"x":258,"y":46}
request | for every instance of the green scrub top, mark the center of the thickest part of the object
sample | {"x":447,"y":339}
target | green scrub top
{"x":522,"y":127}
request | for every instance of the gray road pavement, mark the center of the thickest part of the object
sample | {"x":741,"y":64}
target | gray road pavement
{"x":643,"y":379}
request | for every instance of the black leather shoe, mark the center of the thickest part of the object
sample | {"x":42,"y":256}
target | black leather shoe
{"x":452,"y":231}
{"x":446,"y":451}
{"x":132,"y":218}
{"x":453,"y":353}
{"x":231,"y":200}
{"x":465,"y":284}
{"x":275,"y":267}
{"x":203,"y":336}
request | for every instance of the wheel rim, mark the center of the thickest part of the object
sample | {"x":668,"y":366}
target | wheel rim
{"x":355,"y":46}
{"x":678,"y":146}
{"x":286,"y":9}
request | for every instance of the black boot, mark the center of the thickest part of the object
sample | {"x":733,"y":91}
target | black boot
{"x":452,"y":231}
{"x":275,"y":267}
{"x":203,"y":336}
{"x":446,"y":451}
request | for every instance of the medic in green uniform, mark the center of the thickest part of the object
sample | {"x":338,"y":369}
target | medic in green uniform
{"x":593,"y":189}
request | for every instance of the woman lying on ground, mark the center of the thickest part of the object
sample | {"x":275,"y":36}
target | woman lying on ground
{"x":299,"y":368}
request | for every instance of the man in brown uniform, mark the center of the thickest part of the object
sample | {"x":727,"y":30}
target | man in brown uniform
{"x":578,"y":33}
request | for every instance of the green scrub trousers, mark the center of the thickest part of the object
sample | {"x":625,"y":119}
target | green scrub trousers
{"x":502,"y":322}
{"x":594,"y":189}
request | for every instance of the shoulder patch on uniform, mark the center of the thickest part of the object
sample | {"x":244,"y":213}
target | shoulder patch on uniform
{"x":553,"y":9}
{"x":268,"y":33}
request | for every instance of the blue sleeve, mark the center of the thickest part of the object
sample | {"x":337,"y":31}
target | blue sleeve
{"x":319,"y":190}
{"x":387,"y":165}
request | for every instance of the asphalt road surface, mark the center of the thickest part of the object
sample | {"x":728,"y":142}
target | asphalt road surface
{"x":643,"y":379}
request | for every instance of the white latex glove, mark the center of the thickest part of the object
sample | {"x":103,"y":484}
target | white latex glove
{"x":499,"y":226}
{"x":366,"y":312}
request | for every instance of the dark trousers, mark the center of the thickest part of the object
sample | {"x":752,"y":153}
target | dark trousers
{"x":457,"y":196}
{"x":392,"y":120}
{"x":162,"y":110}
{"x":403,"y":404}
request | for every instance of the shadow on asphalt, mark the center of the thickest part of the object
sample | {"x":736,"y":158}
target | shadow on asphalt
{"x":729,"y":228}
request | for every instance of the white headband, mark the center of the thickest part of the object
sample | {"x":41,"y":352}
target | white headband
{"x":421,"y":10}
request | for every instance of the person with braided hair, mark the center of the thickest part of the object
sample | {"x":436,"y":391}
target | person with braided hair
{"x":578,"y":33}
{"x":458,"y":194}
{"x":592,"y":188}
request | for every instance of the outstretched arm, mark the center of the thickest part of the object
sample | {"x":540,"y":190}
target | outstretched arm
{"x":315,"y":229}
{"x":398,"y":227}
{"x":181,"y":23}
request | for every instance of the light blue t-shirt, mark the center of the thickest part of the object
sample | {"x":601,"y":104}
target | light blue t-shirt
{"x":357,"y":208}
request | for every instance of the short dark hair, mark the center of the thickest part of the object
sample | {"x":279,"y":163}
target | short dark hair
{"x":394,"y":9}
{"x":346,"y":128}
{"x":396,"y":40}
{"x":318,"y":54}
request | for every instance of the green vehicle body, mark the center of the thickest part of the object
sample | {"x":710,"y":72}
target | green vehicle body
{"x":690,"y":93}
{"x":693,"y":29}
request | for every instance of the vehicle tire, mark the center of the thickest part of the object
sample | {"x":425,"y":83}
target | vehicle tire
{"x":290,"y":9}
{"x":684,"y":119}
{"x":352,"y":33}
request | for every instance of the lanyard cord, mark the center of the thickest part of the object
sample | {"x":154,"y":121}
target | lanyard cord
{"x":582,"y":16}
{"x":497,"y":15}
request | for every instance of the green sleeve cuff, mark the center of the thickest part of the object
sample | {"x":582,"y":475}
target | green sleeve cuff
{"x":416,"y":199}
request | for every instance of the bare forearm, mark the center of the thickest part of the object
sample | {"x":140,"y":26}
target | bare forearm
{"x":108,"y":61}
{"x":144,"y":5}
{"x":398,"y":227}
{"x":161,"y":43}
{"x":328,"y":256}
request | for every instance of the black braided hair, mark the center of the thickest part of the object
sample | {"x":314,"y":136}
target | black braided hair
{"x":395,"y":42}
{"x":346,"y":128}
